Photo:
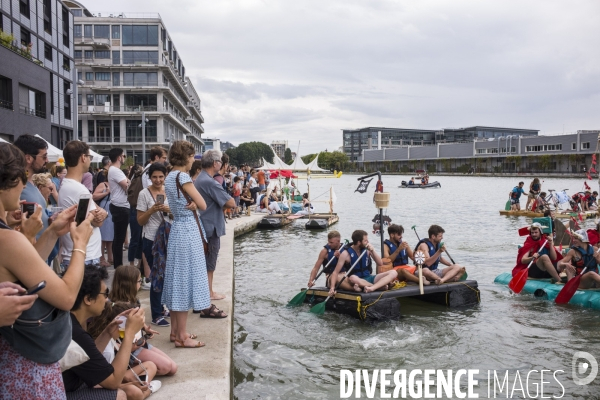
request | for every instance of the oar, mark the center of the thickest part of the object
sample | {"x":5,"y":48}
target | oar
{"x":299,"y":298}
{"x":414,"y":229}
{"x":517,"y":283}
{"x":567,"y":292}
{"x":320,"y":308}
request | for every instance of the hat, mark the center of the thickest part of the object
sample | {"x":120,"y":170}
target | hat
{"x":581,"y":235}
{"x":537,"y":225}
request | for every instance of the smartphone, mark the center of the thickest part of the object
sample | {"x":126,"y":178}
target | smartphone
{"x":35,"y":289}
{"x":160,"y":199}
{"x":82,"y":208}
{"x":28,"y":208}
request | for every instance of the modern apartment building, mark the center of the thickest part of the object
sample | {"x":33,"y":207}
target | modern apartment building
{"x":36,"y":70}
{"x":279,"y":147}
{"x":127,"y":64}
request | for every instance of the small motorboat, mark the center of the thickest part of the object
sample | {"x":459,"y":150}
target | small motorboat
{"x":405,"y":185}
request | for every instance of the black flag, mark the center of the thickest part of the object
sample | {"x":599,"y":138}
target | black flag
{"x":363,"y":185}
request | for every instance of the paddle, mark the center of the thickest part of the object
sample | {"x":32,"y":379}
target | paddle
{"x":299,"y":298}
{"x":517,"y":283}
{"x":567,"y":292}
{"x":507,"y":206}
{"x":320,"y":308}
{"x":465,"y":275}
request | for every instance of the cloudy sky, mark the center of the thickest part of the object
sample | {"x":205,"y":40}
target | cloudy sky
{"x":303,"y":70}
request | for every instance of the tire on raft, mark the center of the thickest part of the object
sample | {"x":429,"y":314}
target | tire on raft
{"x":544,"y":289}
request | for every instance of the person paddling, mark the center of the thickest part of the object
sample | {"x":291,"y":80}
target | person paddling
{"x":433,"y":249}
{"x":582,"y":256}
{"x":545,"y":265}
{"x":330,"y":251}
{"x":399,"y":252}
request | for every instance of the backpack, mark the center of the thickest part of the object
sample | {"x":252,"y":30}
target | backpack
{"x":135,"y":187}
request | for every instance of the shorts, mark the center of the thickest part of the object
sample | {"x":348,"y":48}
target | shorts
{"x":214,"y":245}
{"x":536,"y":273}
{"x":515,"y":201}
{"x":531,"y":195}
{"x":370,"y":279}
{"x":410,"y":268}
{"x":137,"y":352}
{"x":86,"y":393}
{"x":436,"y":271}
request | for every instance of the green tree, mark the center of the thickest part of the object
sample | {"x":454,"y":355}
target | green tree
{"x":308,"y":158}
{"x":287,"y":156}
{"x":250,"y":153}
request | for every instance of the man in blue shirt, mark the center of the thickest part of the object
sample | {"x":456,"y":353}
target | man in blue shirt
{"x":515,"y":196}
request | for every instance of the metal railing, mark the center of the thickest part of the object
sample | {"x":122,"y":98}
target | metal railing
{"x":109,"y":14}
{"x":22,"y":51}
{"x":99,"y":109}
{"x":32,"y":112}
{"x":6,"y":104}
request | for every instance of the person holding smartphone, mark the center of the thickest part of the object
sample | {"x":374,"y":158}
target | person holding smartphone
{"x":13,"y":302}
{"x":73,"y":192}
{"x":152,"y":206}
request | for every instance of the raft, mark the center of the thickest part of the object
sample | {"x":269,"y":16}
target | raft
{"x":382,"y":306}
{"x":531,"y":214}
{"x":544,"y":289}
{"x":405,"y":185}
{"x":321,"y":221}
{"x":275,"y":221}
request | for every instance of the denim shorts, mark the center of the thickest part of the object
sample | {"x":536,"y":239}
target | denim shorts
{"x":65,"y":263}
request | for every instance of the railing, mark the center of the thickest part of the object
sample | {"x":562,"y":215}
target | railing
{"x":6,"y":104}
{"x":32,"y":112}
{"x":108,"y":14}
{"x":22,"y":51}
{"x":138,"y":137}
{"x":114,"y":109}
{"x":137,"y":61}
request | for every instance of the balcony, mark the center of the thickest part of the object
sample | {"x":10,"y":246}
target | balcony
{"x":96,"y":43}
{"x":101,"y":109}
{"x":23,"y":51}
{"x":6,"y":104}
{"x":126,"y":15}
{"x":32,"y":112}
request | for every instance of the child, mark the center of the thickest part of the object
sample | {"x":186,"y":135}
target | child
{"x":125,"y":286}
{"x":236,"y":192}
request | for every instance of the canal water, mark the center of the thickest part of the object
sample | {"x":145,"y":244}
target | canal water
{"x":282,"y":352}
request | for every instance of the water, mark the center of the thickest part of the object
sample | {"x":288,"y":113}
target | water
{"x":282,"y":352}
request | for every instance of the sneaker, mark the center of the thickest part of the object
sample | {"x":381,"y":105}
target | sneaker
{"x":154,"y":386}
{"x":166,"y":314}
{"x":146,"y":285}
{"x":160,"y":321}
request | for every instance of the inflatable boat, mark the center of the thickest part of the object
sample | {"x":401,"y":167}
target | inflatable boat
{"x":405,"y":185}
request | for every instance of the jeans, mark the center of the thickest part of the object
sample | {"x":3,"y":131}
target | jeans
{"x":155,"y":306}
{"x":64,"y":265}
{"x":135,"y":243}
{"x":120,"y":218}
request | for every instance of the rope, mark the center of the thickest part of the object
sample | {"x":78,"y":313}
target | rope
{"x":362,"y":311}
{"x":473,"y":289}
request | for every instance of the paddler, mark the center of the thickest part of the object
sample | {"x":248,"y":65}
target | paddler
{"x":433,"y":249}
{"x":515,"y":197}
{"x":581,"y":255}
{"x":330,"y":251}
{"x":360,"y":277}
{"x":544,"y":267}
{"x":399,"y":252}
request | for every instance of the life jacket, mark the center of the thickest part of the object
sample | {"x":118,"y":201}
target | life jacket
{"x":515,"y":193}
{"x":363,"y":268}
{"x":402,"y":258}
{"x":330,"y":256}
{"x":432,"y":251}
{"x":535,"y":187}
{"x":591,"y":200}
{"x":587,"y":260}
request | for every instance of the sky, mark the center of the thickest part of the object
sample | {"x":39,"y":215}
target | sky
{"x":304,"y":70}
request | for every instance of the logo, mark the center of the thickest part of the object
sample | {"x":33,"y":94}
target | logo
{"x":580,"y":368}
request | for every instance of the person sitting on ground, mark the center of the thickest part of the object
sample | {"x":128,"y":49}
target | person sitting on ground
{"x":534,"y":190}
{"x":399,"y":252}
{"x":83,"y":379}
{"x":360,"y":277}
{"x":433,"y":248}
{"x":515,"y":197}
{"x":246,"y":200}
{"x":330,"y":251}
{"x":268,"y":205}
{"x":544,"y":266}
{"x":582,"y":255}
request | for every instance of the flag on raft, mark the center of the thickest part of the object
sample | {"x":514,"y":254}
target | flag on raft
{"x":587,"y":187}
{"x":363,"y":185}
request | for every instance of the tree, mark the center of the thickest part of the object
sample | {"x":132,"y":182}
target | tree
{"x":308,"y":158}
{"x":287,"y":156}
{"x":250,"y":153}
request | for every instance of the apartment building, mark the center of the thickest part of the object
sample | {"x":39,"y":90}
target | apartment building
{"x":36,"y":70}
{"x":128,"y":66}
{"x":279,"y":147}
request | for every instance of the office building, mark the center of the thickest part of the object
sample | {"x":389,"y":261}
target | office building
{"x":279,"y":147}
{"x":226,"y":146}
{"x":128,"y":65}
{"x":36,"y":70}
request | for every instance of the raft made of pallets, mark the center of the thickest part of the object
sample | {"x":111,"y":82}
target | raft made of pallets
{"x":531,"y":214}
{"x":545,"y":289}
{"x":274,"y":221}
{"x":321,"y":221}
{"x":382,"y":306}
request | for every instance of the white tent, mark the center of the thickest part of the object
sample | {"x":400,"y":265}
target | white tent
{"x":298,"y":164}
{"x":314,"y":167}
{"x":97,"y":157}
{"x":3,"y":141}
{"x":54,"y":153}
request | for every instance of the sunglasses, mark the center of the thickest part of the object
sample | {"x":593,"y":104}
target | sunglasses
{"x":106,"y":293}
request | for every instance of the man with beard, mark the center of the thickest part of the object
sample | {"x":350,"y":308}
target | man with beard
{"x":545,"y":257}
{"x":330,"y":251}
{"x":360,"y":277}
{"x":36,"y":155}
{"x":582,"y":255}
{"x":433,"y":249}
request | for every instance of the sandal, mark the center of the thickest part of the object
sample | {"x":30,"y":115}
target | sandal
{"x":181,"y":344}
{"x":212,"y":312}
{"x":190,"y":335}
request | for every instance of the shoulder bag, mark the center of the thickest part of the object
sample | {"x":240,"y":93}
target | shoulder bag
{"x":190,"y":200}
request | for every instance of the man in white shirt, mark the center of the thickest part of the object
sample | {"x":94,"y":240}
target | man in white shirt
{"x":119,"y":206}
{"x":157,"y":154}
{"x":78,"y":159}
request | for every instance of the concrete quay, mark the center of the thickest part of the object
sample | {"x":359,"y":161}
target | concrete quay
{"x":205,"y":373}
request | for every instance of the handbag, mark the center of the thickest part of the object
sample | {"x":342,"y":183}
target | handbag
{"x":41,"y":334}
{"x":74,"y":356}
{"x":188,"y":198}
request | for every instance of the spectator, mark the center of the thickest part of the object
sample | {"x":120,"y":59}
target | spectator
{"x":44,"y":184}
{"x":102,"y":175}
{"x":119,"y":206}
{"x":246,"y":200}
{"x":58,"y":173}
{"x":157,"y":155}
{"x":237,"y":192}
{"x":260,"y":178}
{"x":185,"y":283}
{"x":78,"y":159}
{"x":212,"y":218}
{"x":35,"y":374}
{"x":102,"y":197}
{"x":88,"y":179}
{"x":150,"y":215}
{"x":253,"y":185}
{"x":36,"y":156}
{"x":195,"y":170}
{"x":135,"y":242}
{"x":13,"y":302}
{"x":82,"y":379}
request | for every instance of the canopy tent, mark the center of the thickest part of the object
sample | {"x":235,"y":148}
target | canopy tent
{"x":298,"y":164}
{"x":97,"y":157}
{"x":277,"y":164}
{"x":285,"y":173}
{"x":54,"y":153}
{"x":314,"y":167}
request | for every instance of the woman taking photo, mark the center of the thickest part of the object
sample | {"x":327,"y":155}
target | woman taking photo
{"x":25,"y":373}
{"x":186,"y":280}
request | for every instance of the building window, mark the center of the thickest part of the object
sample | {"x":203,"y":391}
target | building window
{"x":77,"y":31}
{"x":116,"y":57}
{"x":32,"y":102}
{"x":140,"y":79}
{"x":6,"y":100}
{"x":89,"y":54}
{"x":78,"y":12}
{"x":140,"y":35}
{"x":51,"y":93}
{"x":134,"y":101}
{"x":103,"y":76}
{"x":79,"y":76}
{"x":102,"y":54}
{"x":133,"y":132}
{"x":89,"y":99}
{"x":102,"y":31}
{"x":116,"y":79}
{"x":544,"y":147}
{"x":481,"y":151}
{"x":78,"y":55}
{"x":102,"y":98}
{"x":24,"y":7}
{"x":66,"y":63}
{"x":66,"y":88}
{"x":79,"y":99}
{"x":91,"y":131}
{"x":140,"y":57}
{"x":117,"y":130}
{"x":65,"y":18}
{"x":25,"y":37}
{"x":48,"y":16}
{"x":103,"y":131}
{"x":116,"y":102}
{"x":89,"y":76}
{"x":573,"y":146}
{"x":116,"y":31}
{"x":585,"y":145}
{"x":87,"y":31}
{"x":163,"y":36}
{"x":48,"y":52}
{"x":80,"y":129}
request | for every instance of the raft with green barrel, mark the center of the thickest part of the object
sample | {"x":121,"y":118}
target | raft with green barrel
{"x":545,"y":289}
